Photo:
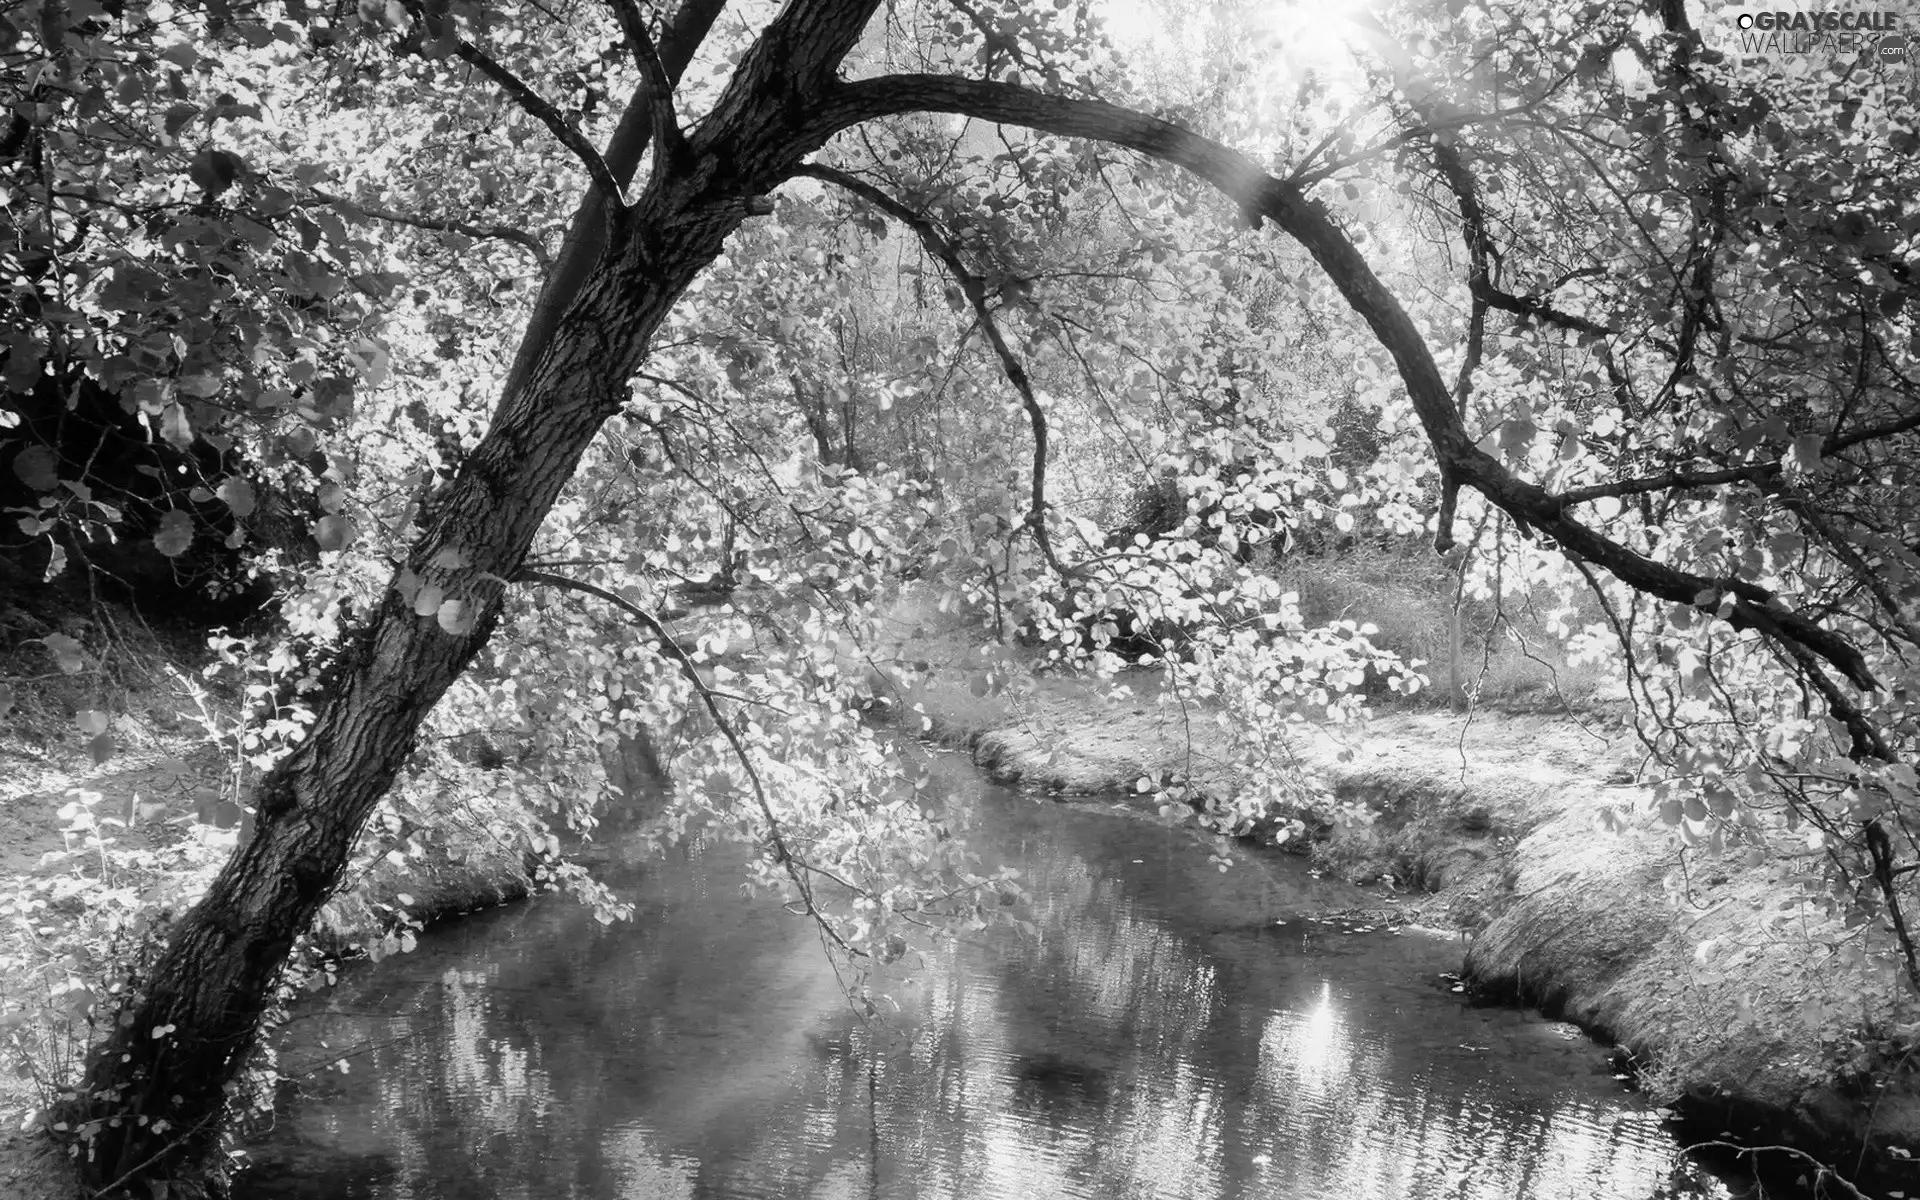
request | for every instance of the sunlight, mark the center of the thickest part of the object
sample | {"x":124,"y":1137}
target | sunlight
{"x":1305,"y":1051}
{"x":1287,"y":38}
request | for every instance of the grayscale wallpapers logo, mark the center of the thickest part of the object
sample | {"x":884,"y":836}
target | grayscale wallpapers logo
{"x":1884,"y":34}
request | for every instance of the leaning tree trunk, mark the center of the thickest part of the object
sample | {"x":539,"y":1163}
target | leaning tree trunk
{"x":156,"y":1094}
{"x":189,"y":1032}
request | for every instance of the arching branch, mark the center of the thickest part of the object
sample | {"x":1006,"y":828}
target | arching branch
{"x":796,"y":867}
{"x":974,"y":288}
{"x":1310,"y":224}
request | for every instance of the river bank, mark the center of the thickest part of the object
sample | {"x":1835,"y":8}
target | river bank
{"x":1727,"y":1002}
{"x":1726,"y":995}
{"x":94,"y":854}
{"x":171,"y":862}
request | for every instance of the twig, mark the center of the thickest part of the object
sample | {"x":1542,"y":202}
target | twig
{"x":974,"y":288}
{"x":504,"y":233}
{"x":1821,"y":1170}
{"x":789,"y":862}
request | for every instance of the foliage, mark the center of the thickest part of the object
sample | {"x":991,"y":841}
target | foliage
{"x":846,"y":303}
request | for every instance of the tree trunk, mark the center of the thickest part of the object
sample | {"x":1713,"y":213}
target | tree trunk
{"x":188,"y":1033}
{"x":156,"y":1093}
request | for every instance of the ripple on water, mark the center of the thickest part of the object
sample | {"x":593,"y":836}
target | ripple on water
{"x":1160,"y":1037}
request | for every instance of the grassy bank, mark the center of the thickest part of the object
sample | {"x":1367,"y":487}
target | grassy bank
{"x":1725,"y":992}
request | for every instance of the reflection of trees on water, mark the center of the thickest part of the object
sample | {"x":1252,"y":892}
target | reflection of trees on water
{"x":1203,"y":1090}
{"x":1126,"y":1051}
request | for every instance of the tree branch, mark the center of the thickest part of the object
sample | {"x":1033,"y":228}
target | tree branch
{"x":1310,"y":224}
{"x":974,"y":288}
{"x":538,"y":107}
{"x":586,"y":237}
{"x":791,"y":863}
{"x":667,"y":138}
{"x":503,"y":233}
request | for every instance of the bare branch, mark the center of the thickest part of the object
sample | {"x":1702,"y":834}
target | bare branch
{"x":538,"y":107}
{"x":1672,"y":481}
{"x":791,"y":863}
{"x":974,"y":288}
{"x":1747,"y":473}
{"x":503,"y":233}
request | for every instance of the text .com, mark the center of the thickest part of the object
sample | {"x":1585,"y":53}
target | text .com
{"x":1777,"y":33}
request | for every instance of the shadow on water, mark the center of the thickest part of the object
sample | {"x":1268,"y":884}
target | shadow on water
{"x":1172,"y":1031}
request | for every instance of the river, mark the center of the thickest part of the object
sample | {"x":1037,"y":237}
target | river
{"x":1172,"y":1031}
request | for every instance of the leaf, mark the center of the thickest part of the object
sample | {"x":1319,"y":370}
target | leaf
{"x":204,"y":386}
{"x":216,"y":170}
{"x":372,"y":358}
{"x":38,"y":467}
{"x":427,"y":601}
{"x":456,"y":617}
{"x":175,"y":533}
{"x":67,"y":653}
{"x":237,"y":494}
{"x":332,"y":532}
{"x":91,"y":721}
{"x":1805,"y":453}
{"x":1516,"y":437}
{"x":175,"y":427}
{"x":179,"y":116}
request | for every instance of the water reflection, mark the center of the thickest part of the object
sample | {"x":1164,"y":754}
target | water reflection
{"x":1171,"y":1032}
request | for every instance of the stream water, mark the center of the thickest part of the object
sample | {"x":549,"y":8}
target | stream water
{"x":1173,"y":1031}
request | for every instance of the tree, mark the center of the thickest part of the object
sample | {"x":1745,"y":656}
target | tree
{"x":1714,"y":429}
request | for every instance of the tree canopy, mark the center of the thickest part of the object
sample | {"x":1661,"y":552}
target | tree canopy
{"x":503,"y":336}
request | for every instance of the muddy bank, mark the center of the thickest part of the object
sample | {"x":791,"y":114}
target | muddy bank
{"x":1727,"y":994}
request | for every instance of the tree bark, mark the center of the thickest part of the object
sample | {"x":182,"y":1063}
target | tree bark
{"x":156,"y":1093}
